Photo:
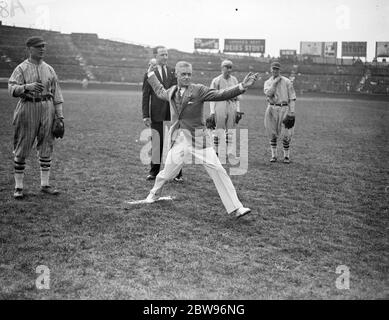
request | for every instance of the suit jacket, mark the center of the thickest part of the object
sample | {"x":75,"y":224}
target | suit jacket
{"x":153,"y":107}
{"x":190,"y":115}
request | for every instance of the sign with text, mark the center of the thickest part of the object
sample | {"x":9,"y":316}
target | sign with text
{"x":244,"y":45}
{"x":287,"y":53}
{"x":206,"y":43}
{"x":382,"y":49}
{"x":354,"y":49}
{"x":330,"y":49}
{"x":311,"y":48}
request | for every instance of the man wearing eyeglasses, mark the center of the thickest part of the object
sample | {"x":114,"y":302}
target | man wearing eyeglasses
{"x":225,"y":112}
{"x":35,"y":84}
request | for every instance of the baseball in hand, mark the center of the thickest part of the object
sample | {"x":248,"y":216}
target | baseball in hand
{"x":152,"y":65}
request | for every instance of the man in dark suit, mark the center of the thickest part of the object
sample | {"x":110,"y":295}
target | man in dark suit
{"x":156,"y":111}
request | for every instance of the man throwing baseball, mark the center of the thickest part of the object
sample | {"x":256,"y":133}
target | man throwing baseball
{"x":188,"y":136}
{"x":35,"y":84}
{"x":279,"y":116}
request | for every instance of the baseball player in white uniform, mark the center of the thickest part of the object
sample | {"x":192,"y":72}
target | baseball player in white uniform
{"x":225,"y":112}
{"x":35,"y":84}
{"x":281,"y":98}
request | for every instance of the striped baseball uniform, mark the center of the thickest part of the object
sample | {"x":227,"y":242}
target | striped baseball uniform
{"x":225,"y":112}
{"x":278,"y":107}
{"x":33,"y":120}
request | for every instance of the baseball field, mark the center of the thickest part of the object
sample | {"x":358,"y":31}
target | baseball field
{"x":325,"y":212}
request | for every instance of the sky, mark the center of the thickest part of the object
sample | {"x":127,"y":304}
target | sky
{"x":175,"y":23}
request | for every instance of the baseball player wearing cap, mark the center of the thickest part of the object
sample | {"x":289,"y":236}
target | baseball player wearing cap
{"x":35,"y":84}
{"x":225,"y":111}
{"x":281,"y":98}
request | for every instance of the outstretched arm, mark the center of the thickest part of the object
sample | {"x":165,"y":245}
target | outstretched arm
{"x":209,"y":94}
{"x":158,"y":88}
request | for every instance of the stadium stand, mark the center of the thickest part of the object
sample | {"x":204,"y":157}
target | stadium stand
{"x":59,"y":54}
{"x":77,"y":56}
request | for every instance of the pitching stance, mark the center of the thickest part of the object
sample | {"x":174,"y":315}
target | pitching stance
{"x":38,"y":114}
{"x":279,"y":116}
{"x":188,"y":136}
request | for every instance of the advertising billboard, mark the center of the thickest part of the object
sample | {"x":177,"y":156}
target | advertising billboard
{"x":311,"y":48}
{"x":354,"y":49}
{"x":206,"y":43}
{"x":244,"y":45}
{"x":382,"y":49}
{"x":330,"y":49}
{"x":285,"y":53}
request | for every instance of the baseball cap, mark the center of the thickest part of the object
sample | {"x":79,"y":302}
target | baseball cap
{"x":227,"y":63}
{"x":276,"y":65}
{"x":35,"y":41}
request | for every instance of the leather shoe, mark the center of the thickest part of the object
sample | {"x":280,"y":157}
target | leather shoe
{"x":151,"y":198}
{"x":242,"y":211}
{"x":286,"y":160}
{"x":178,"y":179}
{"x":18,"y":194}
{"x":150,"y":177}
{"x":273,"y":159}
{"x":49,"y":190}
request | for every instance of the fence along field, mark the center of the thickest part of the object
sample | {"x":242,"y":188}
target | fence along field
{"x":327,"y":209}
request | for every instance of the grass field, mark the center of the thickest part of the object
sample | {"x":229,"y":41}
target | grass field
{"x":329,"y":207}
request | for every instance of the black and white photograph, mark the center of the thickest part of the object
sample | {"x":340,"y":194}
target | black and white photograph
{"x":219,"y":152}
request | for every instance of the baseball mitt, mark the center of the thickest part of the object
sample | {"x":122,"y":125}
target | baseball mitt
{"x":58,"y":129}
{"x":289,"y":121}
{"x":238,"y":116}
{"x":210,"y":122}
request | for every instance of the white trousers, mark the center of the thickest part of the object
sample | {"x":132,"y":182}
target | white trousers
{"x":183,"y":152}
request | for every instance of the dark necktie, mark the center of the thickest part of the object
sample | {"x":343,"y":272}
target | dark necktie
{"x":179,"y":98}
{"x":163,"y":75}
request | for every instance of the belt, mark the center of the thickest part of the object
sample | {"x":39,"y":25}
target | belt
{"x":37,"y":99}
{"x":278,"y":104}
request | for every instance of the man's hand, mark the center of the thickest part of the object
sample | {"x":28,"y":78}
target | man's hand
{"x":250,"y":79}
{"x":35,"y":87}
{"x":210,"y":122}
{"x":238,"y":116}
{"x":147,"y":122}
{"x":152,"y":65}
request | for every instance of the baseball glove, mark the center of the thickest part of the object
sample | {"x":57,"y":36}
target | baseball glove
{"x":58,"y":129}
{"x":289,"y":121}
{"x":210,"y":122}
{"x":238,"y":116}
